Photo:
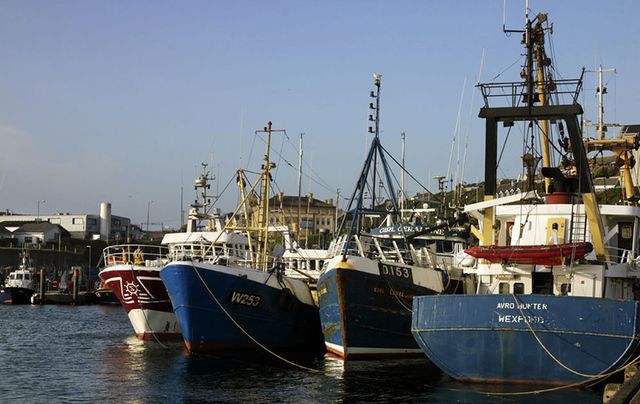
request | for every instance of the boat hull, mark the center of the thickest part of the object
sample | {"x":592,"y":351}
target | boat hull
{"x":143,"y":295}
{"x":15,"y":295}
{"x":364,"y":314}
{"x":222,"y":308}
{"x":486,"y":338}
{"x":106,"y":296}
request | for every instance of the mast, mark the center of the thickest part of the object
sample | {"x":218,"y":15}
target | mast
{"x":263,"y":224}
{"x":257,"y":221}
{"x":377,"y":77}
{"x":541,"y":60}
{"x":356,"y":200}
{"x":568,"y":112}
{"x":299,"y":187}
{"x":402,"y":138}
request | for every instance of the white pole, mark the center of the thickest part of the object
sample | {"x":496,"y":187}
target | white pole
{"x":402,"y":138}
{"x":600,"y":104}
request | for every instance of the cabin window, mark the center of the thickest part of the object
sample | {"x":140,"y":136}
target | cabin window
{"x":28,"y":240}
{"x":27,"y":277}
{"x":565,"y":289}
{"x":518,"y":288}
{"x":504,"y":288}
{"x":444,"y":246}
{"x":12,"y":276}
{"x":78,"y":220}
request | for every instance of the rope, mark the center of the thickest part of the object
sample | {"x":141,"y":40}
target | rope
{"x":245,"y":332}
{"x":590,"y":378}
{"x":575,"y":372}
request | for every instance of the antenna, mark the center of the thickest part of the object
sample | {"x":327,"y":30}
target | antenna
{"x":504,"y":19}
{"x":601,"y":90}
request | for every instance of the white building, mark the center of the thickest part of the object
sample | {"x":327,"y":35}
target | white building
{"x":82,"y":226}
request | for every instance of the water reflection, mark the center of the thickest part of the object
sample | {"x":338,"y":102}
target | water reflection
{"x":89,"y":354}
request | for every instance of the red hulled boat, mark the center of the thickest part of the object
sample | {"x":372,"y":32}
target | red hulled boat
{"x":132,"y":272}
{"x":551,"y":254}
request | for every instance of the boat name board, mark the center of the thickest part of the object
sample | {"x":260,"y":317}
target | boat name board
{"x":395,"y":271}
{"x":246,"y":299}
{"x":402,"y":228}
{"x":519,"y":318}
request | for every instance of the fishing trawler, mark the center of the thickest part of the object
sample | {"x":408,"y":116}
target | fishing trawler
{"x":564,"y":321}
{"x":236,"y":296}
{"x":132,"y":272}
{"x":19,"y":286}
{"x":377,"y":264}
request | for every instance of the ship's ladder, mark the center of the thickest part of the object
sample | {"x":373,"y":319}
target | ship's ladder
{"x":578,"y":229}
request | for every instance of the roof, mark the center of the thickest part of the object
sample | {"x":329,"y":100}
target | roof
{"x":292,"y":201}
{"x":14,"y":223}
{"x":37,"y":227}
{"x":204,"y":236}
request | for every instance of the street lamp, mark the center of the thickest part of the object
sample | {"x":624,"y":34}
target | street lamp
{"x":148,"y":208}
{"x":38,"y":216}
{"x":89,"y":247}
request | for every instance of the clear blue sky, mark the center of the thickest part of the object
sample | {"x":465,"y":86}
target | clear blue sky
{"x":121,"y":100}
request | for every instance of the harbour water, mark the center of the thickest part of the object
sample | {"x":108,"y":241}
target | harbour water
{"x":88,"y":354}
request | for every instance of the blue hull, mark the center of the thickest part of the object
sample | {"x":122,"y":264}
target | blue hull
{"x":364,"y":315}
{"x":273,"y":317}
{"x":13,"y":295}
{"x":486,"y":337}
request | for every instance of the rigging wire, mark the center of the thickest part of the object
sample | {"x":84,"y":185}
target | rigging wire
{"x":318,"y":181}
{"x":509,"y":67}
{"x":406,"y":172}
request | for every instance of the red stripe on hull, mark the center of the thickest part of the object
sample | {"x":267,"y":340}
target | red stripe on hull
{"x":138,"y":287}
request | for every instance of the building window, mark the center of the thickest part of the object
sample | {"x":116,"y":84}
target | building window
{"x":54,"y":220}
{"x":78,"y":220}
{"x":28,"y":240}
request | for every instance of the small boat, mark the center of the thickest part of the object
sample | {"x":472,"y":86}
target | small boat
{"x":548,"y":255}
{"x":105,"y":295}
{"x":132,"y":273}
{"x":19,"y":287}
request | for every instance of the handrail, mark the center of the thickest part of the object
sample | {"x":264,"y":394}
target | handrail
{"x":517,"y":89}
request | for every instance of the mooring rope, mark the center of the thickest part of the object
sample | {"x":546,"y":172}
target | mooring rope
{"x":590,"y":378}
{"x":245,"y":331}
{"x":575,"y":372}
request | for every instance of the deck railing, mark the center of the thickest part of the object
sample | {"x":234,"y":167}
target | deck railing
{"x":137,"y":254}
